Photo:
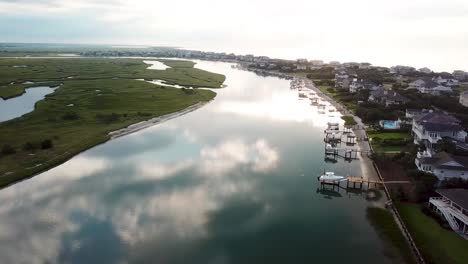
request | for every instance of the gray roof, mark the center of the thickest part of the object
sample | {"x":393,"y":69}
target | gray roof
{"x":436,"y":121}
{"x":388,"y":95}
{"x":442,"y":158}
{"x":458,"y":196}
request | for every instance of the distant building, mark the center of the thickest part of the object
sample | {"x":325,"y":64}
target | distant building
{"x":301,"y":67}
{"x":431,"y":127}
{"x":302,"y":61}
{"x":464,"y":98}
{"x":386,"y":97}
{"x":334,"y":63}
{"x":460,"y":75}
{"x":316,"y":62}
{"x":342,"y":80}
{"x":431,"y":86}
{"x":399,"y":69}
{"x":425,"y":70}
{"x":453,"y":206}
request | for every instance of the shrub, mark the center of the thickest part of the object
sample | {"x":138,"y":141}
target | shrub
{"x":70,"y":116}
{"x":47,"y":144}
{"x":28,"y":146}
{"x":8,"y":150}
{"x":108,"y":118}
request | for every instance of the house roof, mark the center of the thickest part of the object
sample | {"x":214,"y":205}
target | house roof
{"x":437,"y":118}
{"x":458,"y":196}
{"x":444,"y":160}
{"x":388,"y":95}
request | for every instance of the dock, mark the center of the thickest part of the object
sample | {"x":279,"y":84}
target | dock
{"x":354,"y":182}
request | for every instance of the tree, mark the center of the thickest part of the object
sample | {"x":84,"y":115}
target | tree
{"x":47,"y":144}
{"x":446,"y":145}
{"x":424,"y":184}
{"x":8,"y":150}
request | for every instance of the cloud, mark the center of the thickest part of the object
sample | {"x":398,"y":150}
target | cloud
{"x":227,"y":156}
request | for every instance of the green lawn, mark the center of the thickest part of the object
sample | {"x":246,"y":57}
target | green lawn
{"x":437,"y":244}
{"x":390,"y":135}
{"x":101,"y":104}
{"x":380,"y":147}
{"x":396,"y":246}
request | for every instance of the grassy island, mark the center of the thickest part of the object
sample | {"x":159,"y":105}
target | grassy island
{"x":96,"y":96}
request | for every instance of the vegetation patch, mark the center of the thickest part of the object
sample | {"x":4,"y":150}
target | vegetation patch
{"x":349,"y":120}
{"x":437,"y":244}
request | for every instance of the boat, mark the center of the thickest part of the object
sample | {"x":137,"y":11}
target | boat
{"x":331,"y":177}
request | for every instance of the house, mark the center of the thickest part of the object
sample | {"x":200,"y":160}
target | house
{"x":443,"y":165}
{"x":431,"y":127}
{"x":301,"y":67}
{"x":386,"y":97}
{"x":342,"y":80}
{"x":453,"y":206}
{"x":356,"y":85}
{"x":460,"y":75}
{"x":431,"y":86}
{"x":464,"y":98}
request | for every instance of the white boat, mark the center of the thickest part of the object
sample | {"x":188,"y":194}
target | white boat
{"x":331,"y":177}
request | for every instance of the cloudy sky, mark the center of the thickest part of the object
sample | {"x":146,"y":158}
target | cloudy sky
{"x":431,"y":33}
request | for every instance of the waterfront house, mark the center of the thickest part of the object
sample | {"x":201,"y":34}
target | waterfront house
{"x":342,"y":80}
{"x":382,"y":96}
{"x":453,"y":206}
{"x":443,"y":165}
{"x":464,"y":98}
{"x":431,"y":127}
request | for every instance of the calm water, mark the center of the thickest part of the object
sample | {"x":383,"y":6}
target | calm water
{"x":233,"y":182}
{"x":18,"y":106}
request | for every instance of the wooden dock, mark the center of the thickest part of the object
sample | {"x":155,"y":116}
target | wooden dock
{"x":359,"y":182}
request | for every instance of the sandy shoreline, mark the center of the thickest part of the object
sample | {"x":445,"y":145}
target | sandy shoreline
{"x":154,"y":121}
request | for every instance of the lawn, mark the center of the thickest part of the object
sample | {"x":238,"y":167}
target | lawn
{"x":380,"y":145}
{"x":390,"y":135}
{"x":438,"y":245}
{"x":338,"y":97}
{"x":101,"y":104}
{"x":396,"y":246}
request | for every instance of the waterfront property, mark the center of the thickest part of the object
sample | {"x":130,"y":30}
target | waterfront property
{"x":453,"y":206}
{"x":431,"y":127}
{"x":443,"y":165}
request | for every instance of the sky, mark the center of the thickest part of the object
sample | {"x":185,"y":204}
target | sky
{"x":419,"y":33}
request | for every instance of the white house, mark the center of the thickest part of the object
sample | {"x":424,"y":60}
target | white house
{"x":431,"y":127}
{"x":443,"y":165}
{"x":453,"y":206}
{"x":464,"y":98}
